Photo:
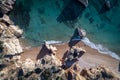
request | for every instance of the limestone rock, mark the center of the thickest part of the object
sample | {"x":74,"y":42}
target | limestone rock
{"x":99,"y":73}
{"x":48,"y":61}
{"x":9,"y":34}
{"x":28,"y":65}
{"x":16,"y":30}
{"x":6,"y":6}
{"x":6,"y":19}
{"x":51,"y":48}
{"x":12,"y":46}
{"x":75,"y":52}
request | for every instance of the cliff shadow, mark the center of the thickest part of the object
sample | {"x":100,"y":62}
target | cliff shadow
{"x":43,"y":51}
{"x":71,"y":12}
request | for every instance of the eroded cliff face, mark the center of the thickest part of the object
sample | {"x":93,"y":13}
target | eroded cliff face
{"x":9,"y":36}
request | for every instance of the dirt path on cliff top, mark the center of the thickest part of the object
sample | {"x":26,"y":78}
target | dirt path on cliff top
{"x":90,"y":59}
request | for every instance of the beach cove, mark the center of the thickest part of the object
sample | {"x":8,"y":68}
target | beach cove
{"x":59,"y":40}
{"x":50,"y":21}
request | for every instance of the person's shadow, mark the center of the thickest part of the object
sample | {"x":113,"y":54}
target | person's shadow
{"x":119,"y":67}
{"x":70,"y":13}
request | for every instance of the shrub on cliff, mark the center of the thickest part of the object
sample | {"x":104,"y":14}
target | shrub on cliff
{"x":1,"y":47}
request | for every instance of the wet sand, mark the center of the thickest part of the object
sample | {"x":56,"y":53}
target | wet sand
{"x":91,"y":58}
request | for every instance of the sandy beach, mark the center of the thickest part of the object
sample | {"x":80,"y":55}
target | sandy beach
{"x":91,"y":58}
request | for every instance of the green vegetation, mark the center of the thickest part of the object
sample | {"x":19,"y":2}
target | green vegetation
{"x":46,"y":75}
{"x":1,"y":47}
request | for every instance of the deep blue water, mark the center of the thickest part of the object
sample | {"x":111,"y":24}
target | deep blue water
{"x":57,"y":19}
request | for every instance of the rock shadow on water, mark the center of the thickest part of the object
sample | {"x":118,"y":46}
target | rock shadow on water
{"x":20,"y":14}
{"x":107,"y":5}
{"x":71,"y":12}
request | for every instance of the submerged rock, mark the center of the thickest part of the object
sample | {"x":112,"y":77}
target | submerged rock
{"x":78,"y":34}
{"x":107,"y":4}
{"x":84,"y":2}
{"x":6,"y":6}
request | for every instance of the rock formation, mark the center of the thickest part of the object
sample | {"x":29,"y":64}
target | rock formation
{"x":78,"y":34}
{"x":28,"y":66}
{"x":107,"y":4}
{"x":99,"y":73}
{"x":84,"y":2}
{"x":9,"y":34}
{"x":6,"y":6}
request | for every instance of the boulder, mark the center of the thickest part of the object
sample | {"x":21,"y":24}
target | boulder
{"x":6,"y":19}
{"x":84,"y":2}
{"x":99,"y":73}
{"x":78,"y":34}
{"x":15,"y":30}
{"x":6,"y":6}
{"x":11,"y":46}
{"x":51,"y":48}
{"x":9,"y":34}
{"x":107,"y":4}
{"x":28,"y":66}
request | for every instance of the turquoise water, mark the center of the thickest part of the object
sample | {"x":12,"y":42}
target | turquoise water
{"x":56,"y":20}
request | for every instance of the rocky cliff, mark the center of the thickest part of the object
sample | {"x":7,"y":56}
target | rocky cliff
{"x":9,"y":34}
{"x":6,"y":6}
{"x":49,"y":66}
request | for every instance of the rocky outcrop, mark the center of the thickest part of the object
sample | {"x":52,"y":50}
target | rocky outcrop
{"x":74,"y":53}
{"x":9,"y":34}
{"x":6,"y":6}
{"x":78,"y":34}
{"x":99,"y":73}
{"x":84,"y":2}
{"x":51,"y":48}
{"x":28,"y":66}
{"x":107,"y":4}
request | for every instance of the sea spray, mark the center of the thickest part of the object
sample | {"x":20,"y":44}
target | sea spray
{"x":100,"y":48}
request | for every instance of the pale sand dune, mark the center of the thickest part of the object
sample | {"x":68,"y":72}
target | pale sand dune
{"x":90,"y":59}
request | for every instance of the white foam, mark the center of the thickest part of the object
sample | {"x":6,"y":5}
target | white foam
{"x":53,"y":42}
{"x":100,"y":48}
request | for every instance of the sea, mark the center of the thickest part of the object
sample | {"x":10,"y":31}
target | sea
{"x":56,"y":20}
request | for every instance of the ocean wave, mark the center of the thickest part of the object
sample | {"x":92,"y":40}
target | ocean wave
{"x":100,"y":48}
{"x":53,"y":42}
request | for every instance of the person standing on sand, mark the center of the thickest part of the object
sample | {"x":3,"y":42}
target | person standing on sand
{"x":119,"y":67}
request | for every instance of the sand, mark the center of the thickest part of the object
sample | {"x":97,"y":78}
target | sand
{"x":91,"y":58}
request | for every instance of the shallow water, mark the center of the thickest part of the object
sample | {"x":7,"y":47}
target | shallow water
{"x":56,"y":20}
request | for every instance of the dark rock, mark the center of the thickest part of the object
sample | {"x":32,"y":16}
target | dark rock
{"x":84,"y":2}
{"x":107,"y":4}
{"x":91,"y":20}
{"x":20,"y":72}
{"x":37,"y":70}
{"x":78,"y":34}
{"x":6,"y":6}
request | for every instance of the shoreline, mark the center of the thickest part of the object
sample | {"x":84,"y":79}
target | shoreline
{"x":91,"y":58}
{"x":26,"y":45}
